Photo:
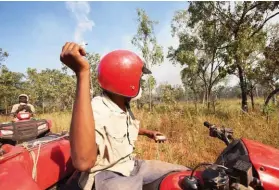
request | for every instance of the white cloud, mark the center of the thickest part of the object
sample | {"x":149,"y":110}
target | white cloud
{"x":80,"y":11}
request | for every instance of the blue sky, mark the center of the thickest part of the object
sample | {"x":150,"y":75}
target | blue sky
{"x":34,"y":32}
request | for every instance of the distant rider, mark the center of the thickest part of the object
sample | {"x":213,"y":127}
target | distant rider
{"x":22,"y":106}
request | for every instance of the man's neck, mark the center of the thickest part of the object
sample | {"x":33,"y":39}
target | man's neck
{"x":118,"y":100}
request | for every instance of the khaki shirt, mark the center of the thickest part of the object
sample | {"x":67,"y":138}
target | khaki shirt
{"x":15,"y":107}
{"x":116,"y":133}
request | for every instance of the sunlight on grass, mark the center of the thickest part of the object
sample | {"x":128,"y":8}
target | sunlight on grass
{"x":188,"y":140}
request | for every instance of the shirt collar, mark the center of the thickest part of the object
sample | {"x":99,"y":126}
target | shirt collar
{"x":111,"y":105}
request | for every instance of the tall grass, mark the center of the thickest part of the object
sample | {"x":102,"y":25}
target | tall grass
{"x":188,"y":140}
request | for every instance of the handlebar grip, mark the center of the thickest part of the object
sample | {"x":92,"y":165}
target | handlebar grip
{"x":207,"y":124}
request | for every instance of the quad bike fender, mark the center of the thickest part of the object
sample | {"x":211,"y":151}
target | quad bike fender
{"x":13,"y":176}
{"x":53,"y":164}
{"x":265,"y":159}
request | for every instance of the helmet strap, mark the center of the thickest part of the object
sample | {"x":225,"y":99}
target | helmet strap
{"x":129,"y":110}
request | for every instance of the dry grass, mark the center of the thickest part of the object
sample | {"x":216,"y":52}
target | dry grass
{"x":189,"y":142}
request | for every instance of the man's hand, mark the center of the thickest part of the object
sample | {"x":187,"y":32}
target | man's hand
{"x":72,"y":55}
{"x":152,"y":135}
{"x":155,"y":136}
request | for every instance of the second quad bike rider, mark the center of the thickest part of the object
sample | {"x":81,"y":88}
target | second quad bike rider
{"x":22,"y":106}
{"x":103,"y":131}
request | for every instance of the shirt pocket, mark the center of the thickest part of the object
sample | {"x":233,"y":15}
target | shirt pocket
{"x":116,"y":128}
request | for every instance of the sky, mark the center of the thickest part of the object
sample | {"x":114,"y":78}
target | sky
{"x":33,"y":33}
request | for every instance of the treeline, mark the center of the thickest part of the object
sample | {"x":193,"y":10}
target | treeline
{"x":48,"y":90}
{"x":52,"y":90}
{"x":216,"y":40}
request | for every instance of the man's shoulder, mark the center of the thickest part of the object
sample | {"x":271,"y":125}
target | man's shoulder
{"x":100,"y":111}
{"x":96,"y":99}
{"x":97,"y":102}
{"x":99,"y":107}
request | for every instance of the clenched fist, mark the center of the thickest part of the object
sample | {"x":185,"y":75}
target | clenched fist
{"x":72,"y":55}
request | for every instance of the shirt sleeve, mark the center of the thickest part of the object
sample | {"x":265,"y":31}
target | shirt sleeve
{"x":100,"y":139}
{"x":99,"y":136}
{"x":99,"y":129}
{"x":32,"y":108}
{"x":15,"y":107}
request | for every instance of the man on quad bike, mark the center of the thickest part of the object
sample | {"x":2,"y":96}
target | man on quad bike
{"x":103,"y":132}
{"x":22,"y":106}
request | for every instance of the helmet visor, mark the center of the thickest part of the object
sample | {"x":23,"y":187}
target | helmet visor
{"x":145,"y":70}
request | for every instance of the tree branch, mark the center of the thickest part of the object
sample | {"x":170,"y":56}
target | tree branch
{"x":262,"y":25}
{"x":253,"y":6}
{"x":218,"y":8}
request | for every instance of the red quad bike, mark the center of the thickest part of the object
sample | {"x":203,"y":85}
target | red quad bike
{"x":243,"y":161}
{"x":45,"y":163}
{"x":23,"y":129}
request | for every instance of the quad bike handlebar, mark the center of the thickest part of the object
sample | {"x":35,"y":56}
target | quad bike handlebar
{"x":232,"y":172}
{"x":224,"y":134}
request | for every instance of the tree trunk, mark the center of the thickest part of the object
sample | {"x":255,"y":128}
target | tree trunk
{"x":43,"y":105}
{"x":274,"y":97}
{"x":257,"y":92}
{"x":6,"y":106}
{"x":270,"y":96}
{"x":214,"y":104}
{"x":150,"y":96}
{"x":186,"y":96}
{"x":203,"y":97}
{"x":252,"y":99}
{"x":274,"y":100}
{"x":138,"y":106}
{"x":243,"y":86}
{"x":196,"y":103}
{"x":208,"y":97}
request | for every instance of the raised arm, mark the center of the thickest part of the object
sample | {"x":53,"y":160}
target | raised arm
{"x":82,"y":130}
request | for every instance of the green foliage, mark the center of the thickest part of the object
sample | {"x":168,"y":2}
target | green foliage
{"x":145,"y":40}
{"x":93,"y":60}
{"x":3,"y":56}
{"x":50,"y":90}
{"x":199,"y":52}
{"x":150,"y":80}
{"x":240,"y":35}
{"x":269,"y":70}
{"x":169,"y":94}
{"x":11,"y":84}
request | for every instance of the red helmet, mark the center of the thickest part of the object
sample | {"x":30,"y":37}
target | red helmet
{"x":120,"y":71}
